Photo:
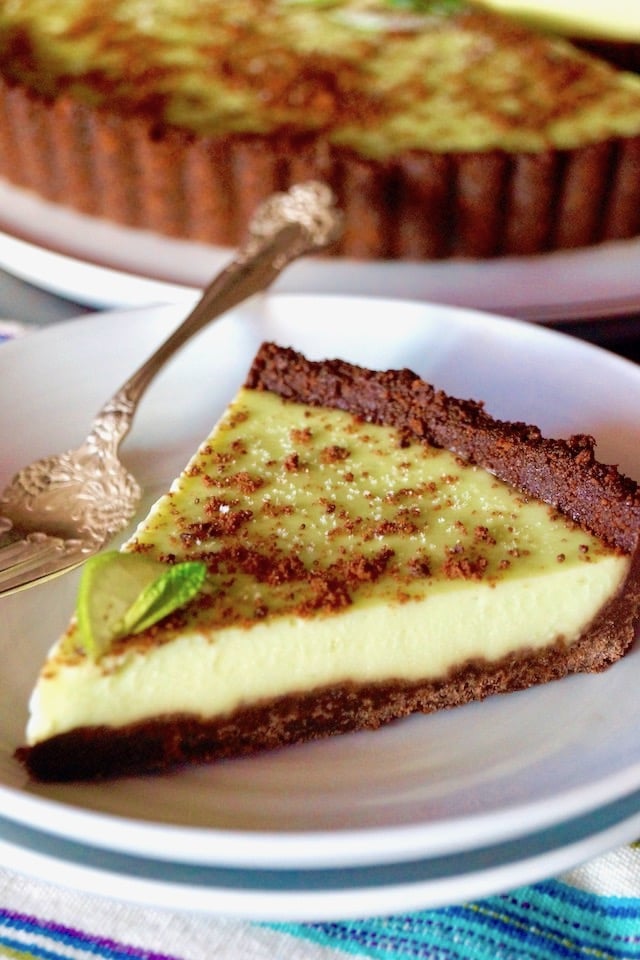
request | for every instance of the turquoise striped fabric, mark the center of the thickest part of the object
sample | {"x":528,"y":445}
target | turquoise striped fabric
{"x":542,"y":922}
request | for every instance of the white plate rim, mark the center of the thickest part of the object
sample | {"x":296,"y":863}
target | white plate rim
{"x":307,"y":850}
{"x":106,"y":265}
{"x":328,"y":895}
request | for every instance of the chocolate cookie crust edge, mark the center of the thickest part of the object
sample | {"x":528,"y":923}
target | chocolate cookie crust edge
{"x":417,"y":206}
{"x":562,"y":473}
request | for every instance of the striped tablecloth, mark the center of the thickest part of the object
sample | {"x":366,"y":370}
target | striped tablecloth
{"x":593,"y":914}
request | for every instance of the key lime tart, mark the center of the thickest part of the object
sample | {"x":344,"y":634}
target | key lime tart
{"x":445,"y":129}
{"x":346,"y":548}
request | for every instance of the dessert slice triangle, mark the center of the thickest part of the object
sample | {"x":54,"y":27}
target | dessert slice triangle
{"x":373,"y":548}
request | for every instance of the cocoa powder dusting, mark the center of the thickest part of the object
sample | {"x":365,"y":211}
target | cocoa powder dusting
{"x":333,"y":454}
{"x":458,"y":566}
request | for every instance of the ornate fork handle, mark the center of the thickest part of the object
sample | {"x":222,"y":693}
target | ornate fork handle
{"x":285,"y":227}
{"x":60,"y":509}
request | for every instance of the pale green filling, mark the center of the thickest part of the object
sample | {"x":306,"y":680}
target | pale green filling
{"x":417,"y":500}
{"x":431,"y":87}
{"x":469,"y":569}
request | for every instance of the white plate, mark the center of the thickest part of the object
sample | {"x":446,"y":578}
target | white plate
{"x":422,"y":787}
{"x":321,"y":895}
{"x":98,"y":263}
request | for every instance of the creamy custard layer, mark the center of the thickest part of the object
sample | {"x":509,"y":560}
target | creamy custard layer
{"x":337,"y":551}
{"x":360,"y":73}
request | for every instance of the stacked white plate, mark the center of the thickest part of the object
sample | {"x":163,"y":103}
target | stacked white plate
{"x":427,"y":811}
{"x":94,"y":262}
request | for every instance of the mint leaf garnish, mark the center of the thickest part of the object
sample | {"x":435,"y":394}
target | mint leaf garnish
{"x":121,"y":593}
{"x":172,"y":590}
{"x":427,"y":6}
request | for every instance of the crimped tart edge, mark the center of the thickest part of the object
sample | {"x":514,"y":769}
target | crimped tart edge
{"x":416,"y":206}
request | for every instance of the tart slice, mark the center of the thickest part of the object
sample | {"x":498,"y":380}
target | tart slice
{"x":374,"y":548}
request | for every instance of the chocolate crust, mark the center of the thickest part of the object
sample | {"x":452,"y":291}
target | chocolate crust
{"x":565,"y":473}
{"x":417,"y":206}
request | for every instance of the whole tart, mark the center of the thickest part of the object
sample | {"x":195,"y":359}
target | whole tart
{"x":444,"y":129}
{"x":374,"y":548}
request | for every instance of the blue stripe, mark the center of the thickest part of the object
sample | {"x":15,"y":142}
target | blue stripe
{"x":549,"y":921}
{"x":624,"y":908}
{"x":368,"y":940}
{"x":68,"y":937}
{"x":431,"y":935}
{"x":30,"y":949}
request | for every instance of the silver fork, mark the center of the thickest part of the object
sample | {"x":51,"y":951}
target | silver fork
{"x":59,"y":510}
